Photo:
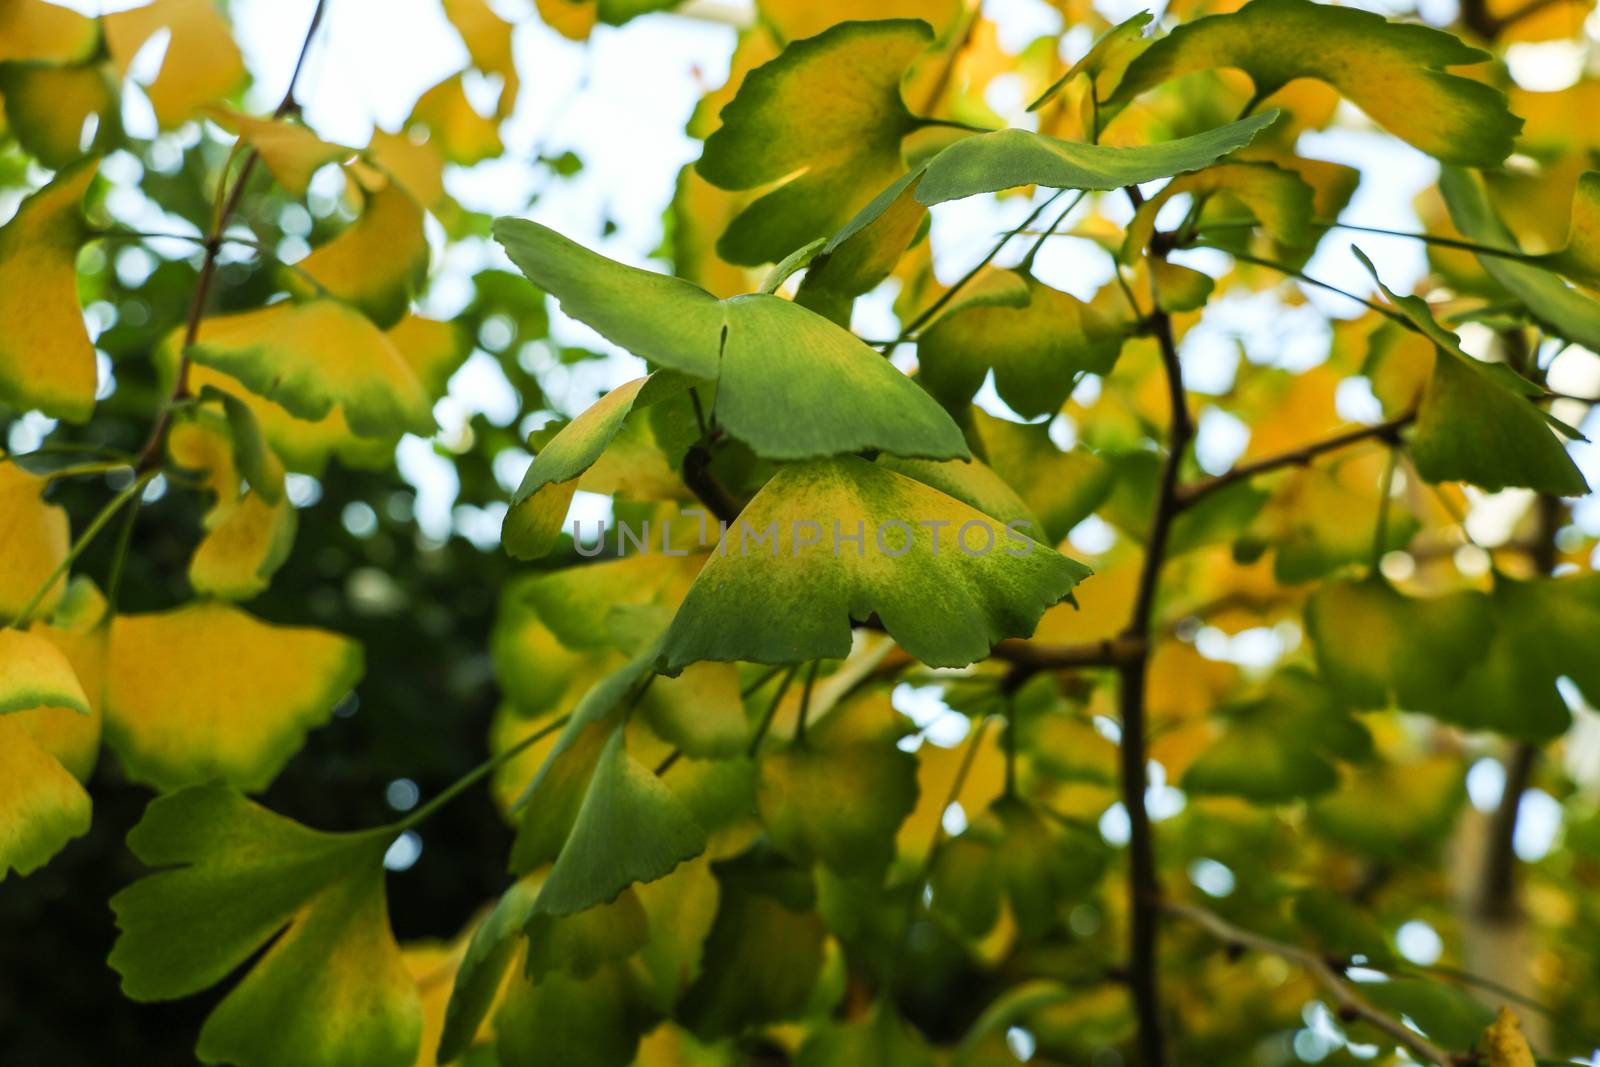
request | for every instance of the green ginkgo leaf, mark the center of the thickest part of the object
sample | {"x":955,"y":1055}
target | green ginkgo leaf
{"x":1039,"y":342}
{"x":1543,"y":630}
{"x":880,"y":1039}
{"x":974,"y":484}
{"x":1106,"y":60}
{"x":1061,"y":488}
{"x":790,"y":118}
{"x":788,"y":580}
{"x":770,"y":357}
{"x":764,"y":954}
{"x":839,"y":795}
{"x":533,"y":524}
{"x":581,"y":943}
{"x":630,"y":828}
{"x":1282,"y":745}
{"x":315,"y":357}
{"x":1280,"y":201}
{"x":1477,"y":423}
{"x":561,"y":1021}
{"x":47,"y":108}
{"x":1395,"y":72}
{"x":483,"y":967}
{"x":1375,"y":646}
{"x":1446,"y":1013}
{"x":1392,"y":810}
{"x":330,"y":988}
{"x":858,"y":257}
{"x":1006,"y":159}
{"x":1568,"y":312}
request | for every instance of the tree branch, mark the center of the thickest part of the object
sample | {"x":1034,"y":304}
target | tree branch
{"x":1190,"y":495}
{"x":150,"y":455}
{"x":1346,"y":999}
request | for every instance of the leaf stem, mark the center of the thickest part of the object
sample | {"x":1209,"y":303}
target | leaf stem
{"x":1296,"y":457}
{"x":805,"y":702}
{"x":472,"y":777}
{"x":91,"y":531}
{"x":771,"y":712}
{"x":1299,"y":275}
{"x":1380,"y":534}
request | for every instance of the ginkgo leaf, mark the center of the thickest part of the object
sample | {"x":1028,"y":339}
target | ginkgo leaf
{"x":681,"y":908}
{"x":1477,"y":423}
{"x":42,"y":806}
{"x":1105,"y":61}
{"x":483,"y":969}
{"x":1392,"y":810}
{"x":37,"y":31}
{"x":1543,"y":631}
{"x":1038,"y":341}
{"x":1279,"y":200}
{"x":1395,"y":72}
{"x":838,"y":796}
{"x":1011,"y":851}
{"x":1580,"y":258}
{"x":206,"y":692}
{"x":1570,"y":313}
{"x":765,"y":951}
{"x":561,"y":1021}
{"x":1281,"y":745}
{"x":248,"y":536}
{"x":488,"y":40}
{"x":35,"y":673}
{"x":533,"y":524}
{"x":1445,"y":1013}
{"x":788,"y":117}
{"x":315,"y":357}
{"x":974,"y":484}
{"x":1504,"y":1043}
{"x":202,"y":64}
{"x":292,"y":152}
{"x":856,"y":259}
{"x":699,"y":712}
{"x":34,"y":537}
{"x":454,"y":126}
{"x":1006,"y":159}
{"x":76,"y":630}
{"x":585,"y":941}
{"x":1375,"y":645}
{"x":46,"y":360}
{"x":331,"y":988}
{"x":433,"y":350}
{"x":1061,"y":488}
{"x":376,"y":264}
{"x":770,"y":357}
{"x":881,"y":1039}
{"x":47,"y":107}
{"x":793,"y":598}
{"x":630,"y":828}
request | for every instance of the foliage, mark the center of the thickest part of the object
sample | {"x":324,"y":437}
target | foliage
{"x":897,"y":717}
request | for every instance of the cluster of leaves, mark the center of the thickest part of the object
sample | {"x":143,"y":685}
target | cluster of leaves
{"x":731,"y":842}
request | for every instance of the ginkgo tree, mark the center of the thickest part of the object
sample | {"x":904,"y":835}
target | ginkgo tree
{"x":890,"y":718}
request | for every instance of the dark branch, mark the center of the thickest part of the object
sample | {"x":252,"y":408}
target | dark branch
{"x":1296,"y":457}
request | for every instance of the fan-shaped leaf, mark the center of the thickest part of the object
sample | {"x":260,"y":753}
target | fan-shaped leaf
{"x":792,"y":596}
{"x":1393,"y":71}
{"x":331,"y":989}
{"x":290,"y":151}
{"x":201,"y":66}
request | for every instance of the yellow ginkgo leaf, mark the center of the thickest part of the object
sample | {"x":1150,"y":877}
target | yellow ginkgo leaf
{"x":461,"y":134}
{"x":75,"y":630}
{"x":33,"y":542}
{"x":315,"y":357}
{"x":46,"y":360}
{"x":434,"y":350}
{"x":206,"y":691}
{"x":488,"y":40}
{"x":290,"y":151}
{"x":1504,"y":1043}
{"x":35,"y":674}
{"x":47,"y":108}
{"x":202,"y":64}
{"x":377,"y":263}
{"x":416,"y":165}
{"x":248,"y":537}
{"x":40,"y":32}
{"x":42,"y":806}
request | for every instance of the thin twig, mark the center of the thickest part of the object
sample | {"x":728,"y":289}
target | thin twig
{"x":1346,"y":999}
{"x":1295,"y":457}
